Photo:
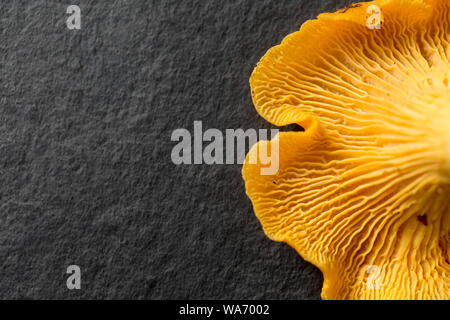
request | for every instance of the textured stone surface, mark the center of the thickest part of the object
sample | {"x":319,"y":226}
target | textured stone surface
{"x":86,"y":177}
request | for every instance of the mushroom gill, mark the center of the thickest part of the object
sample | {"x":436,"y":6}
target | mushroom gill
{"x":366,"y":187}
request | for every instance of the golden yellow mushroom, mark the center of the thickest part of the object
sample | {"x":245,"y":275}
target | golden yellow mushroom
{"x":364,"y":192}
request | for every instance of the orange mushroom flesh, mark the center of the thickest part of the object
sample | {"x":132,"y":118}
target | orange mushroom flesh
{"x":364,"y":192}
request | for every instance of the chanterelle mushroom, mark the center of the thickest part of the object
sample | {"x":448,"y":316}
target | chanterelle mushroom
{"x":364,"y":192}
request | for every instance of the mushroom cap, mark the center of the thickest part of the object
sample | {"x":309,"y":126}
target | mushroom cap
{"x":364,"y":192}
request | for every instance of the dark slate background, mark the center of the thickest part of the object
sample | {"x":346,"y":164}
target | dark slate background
{"x":85,"y":171}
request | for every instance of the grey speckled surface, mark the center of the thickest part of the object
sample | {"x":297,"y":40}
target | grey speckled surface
{"x":86,"y":176}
